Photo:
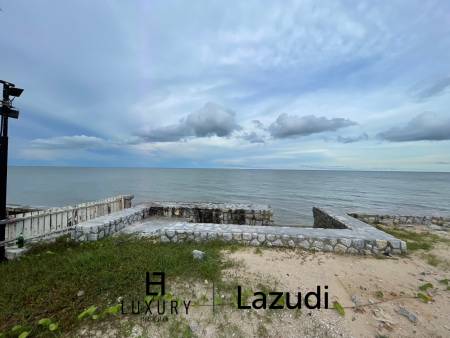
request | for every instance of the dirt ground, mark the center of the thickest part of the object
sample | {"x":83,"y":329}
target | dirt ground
{"x":373,"y":291}
{"x":379,"y":286}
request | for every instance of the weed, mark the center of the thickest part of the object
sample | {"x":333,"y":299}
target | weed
{"x":414,"y":240}
{"x":339,"y":309}
{"x":258,"y":251}
{"x":425,"y":287}
{"x":379,"y":294}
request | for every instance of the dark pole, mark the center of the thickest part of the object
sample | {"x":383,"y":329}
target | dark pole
{"x":3,"y":167}
{"x":7,"y":111}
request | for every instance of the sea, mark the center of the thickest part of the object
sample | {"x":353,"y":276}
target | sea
{"x":291,"y":193}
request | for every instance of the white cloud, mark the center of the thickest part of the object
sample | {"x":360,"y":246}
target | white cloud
{"x":69,"y":142}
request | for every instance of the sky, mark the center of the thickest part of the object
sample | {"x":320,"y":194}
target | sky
{"x":338,"y":85}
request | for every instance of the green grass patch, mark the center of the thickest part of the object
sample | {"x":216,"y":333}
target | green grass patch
{"x":45,"y":282}
{"x":414,"y":240}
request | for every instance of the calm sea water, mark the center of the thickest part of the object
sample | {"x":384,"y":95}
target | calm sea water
{"x":291,"y":193}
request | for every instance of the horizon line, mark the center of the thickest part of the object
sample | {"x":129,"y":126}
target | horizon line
{"x":227,"y":168}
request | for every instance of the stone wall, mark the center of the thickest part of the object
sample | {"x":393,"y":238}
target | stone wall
{"x":403,"y":220}
{"x":107,"y":225}
{"x":323,"y":219}
{"x":314,"y":239}
{"x":334,"y":231}
{"x":218,"y":213}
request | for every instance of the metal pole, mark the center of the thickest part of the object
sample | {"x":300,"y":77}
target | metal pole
{"x":3,"y":168}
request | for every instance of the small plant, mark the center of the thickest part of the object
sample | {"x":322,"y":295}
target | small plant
{"x":424,"y":298}
{"x":425,"y":287}
{"x":89,"y":312}
{"x":20,"y":331}
{"x":339,"y":308}
{"x":444,"y":281}
{"x":112,"y":310}
{"x":379,"y":294}
{"x":53,"y":327}
{"x":17,"y":329}
{"x":20,"y":241}
{"x":48,"y":324}
{"x":45,"y":322}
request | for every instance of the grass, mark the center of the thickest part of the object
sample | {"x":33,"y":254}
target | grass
{"x":262,"y":331}
{"x":435,"y":261}
{"x":45,"y":282}
{"x":415,"y":240}
{"x":180,"y":329}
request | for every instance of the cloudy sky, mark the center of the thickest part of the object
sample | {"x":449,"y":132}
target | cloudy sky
{"x":231,"y":84}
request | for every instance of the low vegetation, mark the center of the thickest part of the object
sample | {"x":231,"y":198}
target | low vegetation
{"x":415,"y":240}
{"x":52,"y":286}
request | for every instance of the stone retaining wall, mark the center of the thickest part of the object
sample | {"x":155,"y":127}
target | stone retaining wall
{"x":400,"y":220}
{"x":218,"y":213}
{"x":107,"y":225}
{"x":328,"y":240}
{"x":323,"y":219}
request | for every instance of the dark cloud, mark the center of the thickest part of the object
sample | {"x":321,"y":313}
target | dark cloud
{"x":174,"y":132}
{"x":287,"y":126}
{"x":258,"y":124}
{"x":211,"y":120}
{"x":434,"y":88}
{"x":253,"y":137}
{"x":352,"y":139}
{"x":425,"y":126}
